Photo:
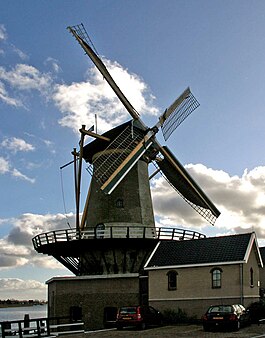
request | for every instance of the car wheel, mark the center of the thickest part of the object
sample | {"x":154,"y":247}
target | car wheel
{"x":206,"y":328}
{"x":143,"y":326}
{"x":237,"y":325}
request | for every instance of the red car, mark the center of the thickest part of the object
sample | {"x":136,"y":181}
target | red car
{"x":138,"y":316}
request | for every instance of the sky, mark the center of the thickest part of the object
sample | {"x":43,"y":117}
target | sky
{"x":154,"y":49}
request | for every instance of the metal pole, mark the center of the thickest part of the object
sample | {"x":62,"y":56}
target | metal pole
{"x":84,"y":216}
{"x":79,"y":176}
{"x":241,"y":284}
{"x":76,"y":193}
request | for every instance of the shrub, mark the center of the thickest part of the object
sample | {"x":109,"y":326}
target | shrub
{"x":177,"y":317}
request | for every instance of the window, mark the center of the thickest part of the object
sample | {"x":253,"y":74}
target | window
{"x":216,"y":278}
{"x":172,"y":280}
{"x":100,"y":230}
{"x":251,"y":277}
{"x":119,"y":203}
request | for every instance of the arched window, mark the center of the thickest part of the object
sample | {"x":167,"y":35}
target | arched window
{"x":216,"y":278}
{"x":100,"y":230}
{"x":172,"y":280}
{"x":251,"y":277}
{"x":119,"y":203}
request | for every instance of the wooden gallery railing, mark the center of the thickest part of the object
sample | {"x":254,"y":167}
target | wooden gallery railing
{"x":107,"y":232}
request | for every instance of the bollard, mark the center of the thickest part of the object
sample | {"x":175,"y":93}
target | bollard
{"x":26,"y":323}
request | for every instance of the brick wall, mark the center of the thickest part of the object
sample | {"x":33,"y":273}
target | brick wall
{"x":92,"y":294}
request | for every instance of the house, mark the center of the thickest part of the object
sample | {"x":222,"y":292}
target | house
{"x":192,"y":275}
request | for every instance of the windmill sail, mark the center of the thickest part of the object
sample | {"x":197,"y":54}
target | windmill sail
{"x":179,"y":178}
{"x":180,"y":109}
{"x":82,"y":37}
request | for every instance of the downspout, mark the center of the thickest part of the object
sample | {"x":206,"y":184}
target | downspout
{"x":241,"y":284}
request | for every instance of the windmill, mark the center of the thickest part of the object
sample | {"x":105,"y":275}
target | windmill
{"x":137,"y":140}
{"x":117,"y":231}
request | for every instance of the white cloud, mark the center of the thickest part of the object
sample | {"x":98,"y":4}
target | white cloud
{"x":54,"y":64}
{"x":18,"y":174}
{"x":4,"y":96}
{"x":22,"y":289}
{"x":23,"y":78}
{"x":6,"y":168}
{"x":26,"y":77}
{"x":19,"y":284}
{"x":35,"y":223}
{"x":240,"y":200}
{"x":16,"y":247}
{"x":16,"y":144}
{"x":20,"y":53}
{"x":3,"y":34}
{"x":79,"y":102}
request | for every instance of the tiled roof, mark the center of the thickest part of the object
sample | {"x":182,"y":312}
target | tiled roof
{"x":200,"y":251}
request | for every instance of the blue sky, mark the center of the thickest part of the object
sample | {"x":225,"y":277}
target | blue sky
{"x":154,"y":50}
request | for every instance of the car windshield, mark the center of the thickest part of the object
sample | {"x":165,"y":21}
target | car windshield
{"x":127,"y":310}
{"x":220,"y":308}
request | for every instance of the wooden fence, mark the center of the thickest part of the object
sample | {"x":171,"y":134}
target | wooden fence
{"x":40,"y":327}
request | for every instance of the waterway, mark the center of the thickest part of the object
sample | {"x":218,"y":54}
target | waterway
{"x":18,"y":313}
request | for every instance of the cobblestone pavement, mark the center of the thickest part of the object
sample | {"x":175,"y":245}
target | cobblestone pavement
{"x":188,"y":331}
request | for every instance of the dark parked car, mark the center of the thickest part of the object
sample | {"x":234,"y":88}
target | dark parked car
{"x":257,"y":311}
{"x":225,"y":316}
{"x":138,"y":316}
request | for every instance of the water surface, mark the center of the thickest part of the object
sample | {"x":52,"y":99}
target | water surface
{"x":18,"y":313}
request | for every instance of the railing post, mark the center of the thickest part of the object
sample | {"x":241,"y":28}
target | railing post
{"x":144,"y":232}
{"x":173,"y":233}
{"x":20,"y":330}
{"x":38,"y":327}
{"x":111,"y":234}
{"x":128,"y":232}
{"x":48,"y":326}
{"x":159,"y":229}
{"x":67,"y":235}
{"x":26,"y":323}
{"x":3,"y":330}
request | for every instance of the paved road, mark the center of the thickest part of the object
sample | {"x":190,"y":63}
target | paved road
{"x":188,"y":331}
